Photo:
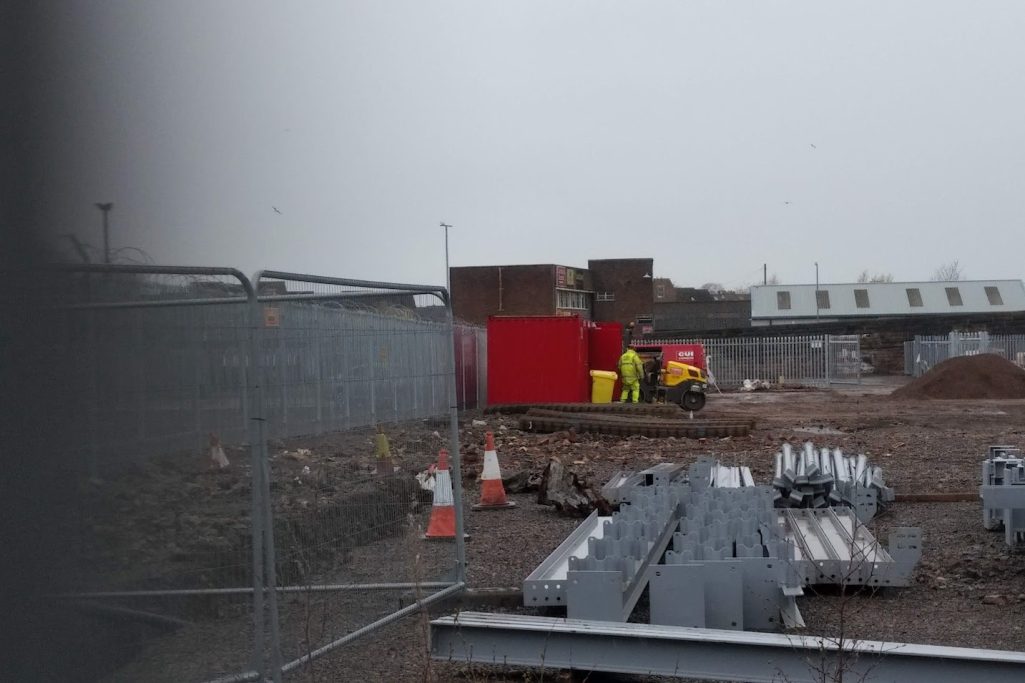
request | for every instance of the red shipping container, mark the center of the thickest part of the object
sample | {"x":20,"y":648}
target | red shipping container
{"x":538,"y":359}
{"x":605,"y":346}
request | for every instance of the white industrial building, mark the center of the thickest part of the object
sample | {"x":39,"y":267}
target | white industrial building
{"x":789,"y":304}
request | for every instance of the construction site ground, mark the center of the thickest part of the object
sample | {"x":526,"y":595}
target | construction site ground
{"x":969,"y":589}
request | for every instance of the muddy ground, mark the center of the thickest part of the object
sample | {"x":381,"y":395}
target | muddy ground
{"x":968,"y":591}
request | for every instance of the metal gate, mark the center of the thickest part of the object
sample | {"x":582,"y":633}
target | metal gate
{"x":843,"y":359}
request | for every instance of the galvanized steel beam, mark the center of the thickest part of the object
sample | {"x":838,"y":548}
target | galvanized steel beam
{"x":706,"y":654}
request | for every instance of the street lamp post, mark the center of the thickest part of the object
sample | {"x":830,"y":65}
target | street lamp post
{"x":105,"y":207}
{"x":448,"y":279}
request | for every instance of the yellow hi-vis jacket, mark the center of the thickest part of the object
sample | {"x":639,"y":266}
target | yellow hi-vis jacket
{"x":630,"y":367}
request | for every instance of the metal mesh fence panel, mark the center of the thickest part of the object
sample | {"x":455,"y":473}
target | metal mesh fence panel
{"x":209,"y":424}
{"x":924,"y":352}
{"x":360,"y":391}
{"x":805,"y":359}
{"x":162,"y":542}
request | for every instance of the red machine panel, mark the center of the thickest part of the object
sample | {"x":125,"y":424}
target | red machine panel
{"x":691,"y":354}
{"x":537,"y":359}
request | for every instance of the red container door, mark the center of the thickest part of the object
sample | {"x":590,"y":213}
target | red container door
{"x":465,"y":340}
{"x":537,"y":359}
{"x":605,"y":346}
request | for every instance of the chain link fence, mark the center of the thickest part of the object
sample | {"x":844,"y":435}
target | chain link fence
{"x":923,"y":352}
{"x":234,"y":519}
{"x":805,"y":359}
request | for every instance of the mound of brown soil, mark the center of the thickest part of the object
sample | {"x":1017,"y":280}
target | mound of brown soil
{"x":983,"y":376}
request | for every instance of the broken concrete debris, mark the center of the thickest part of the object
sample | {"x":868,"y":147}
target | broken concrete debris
{"x":569,"y":494}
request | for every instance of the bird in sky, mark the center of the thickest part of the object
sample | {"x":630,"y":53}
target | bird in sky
{"x":813,"y":146}
{"x":787,"y":203}
{"x":276,"y":210}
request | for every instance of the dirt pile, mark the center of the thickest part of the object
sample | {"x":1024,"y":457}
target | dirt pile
{"x":983,"y":376}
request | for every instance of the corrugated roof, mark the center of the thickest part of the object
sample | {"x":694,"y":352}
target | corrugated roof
{"x":887,"y":298}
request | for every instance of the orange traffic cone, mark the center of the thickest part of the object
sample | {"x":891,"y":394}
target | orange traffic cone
{"x":443,"y":513}
{"x":492,"y":492}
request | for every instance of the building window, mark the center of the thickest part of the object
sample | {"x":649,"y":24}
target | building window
{"x":914,"y":297}
{"x":605,"y":296}
{"x":660,"y":291}
{"x":574,"y":300}
{"x":993,"y":294}
{"x":821,"y":298}
{"x":861,"y":298}
{"x":954,"y":296}
{"x":783,"y":300}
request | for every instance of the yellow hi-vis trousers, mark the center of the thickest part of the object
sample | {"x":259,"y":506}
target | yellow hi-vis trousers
{"x":633,"y":389}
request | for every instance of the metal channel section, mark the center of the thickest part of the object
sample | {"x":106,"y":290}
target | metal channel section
{"x":608,"y":580}
{"x":620,"y":483}
{"x":707,"y":654}
{"x":833,"y":547}
{"x":546,"y":585}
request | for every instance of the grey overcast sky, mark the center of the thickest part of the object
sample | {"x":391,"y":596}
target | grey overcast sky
{"x":712,"y":136}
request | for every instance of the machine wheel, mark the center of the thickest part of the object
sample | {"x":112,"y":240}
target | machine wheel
{"x":692,"y":400}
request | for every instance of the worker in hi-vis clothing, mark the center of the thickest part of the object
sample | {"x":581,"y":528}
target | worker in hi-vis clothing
{"x":630,"y":371}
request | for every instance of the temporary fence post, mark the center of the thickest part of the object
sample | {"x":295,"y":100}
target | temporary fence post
{"x":318,"y":356}
{"x":256,"y":439}
{"x":282,"y":367}
{"x":457,"y":458}
{"x":262,"y":508}
{"x":270,"y":574}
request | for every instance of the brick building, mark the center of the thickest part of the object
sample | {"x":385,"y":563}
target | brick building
{"x":623,"y":290}
{"x":545,"y":289}
{"x":617,"y":290}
